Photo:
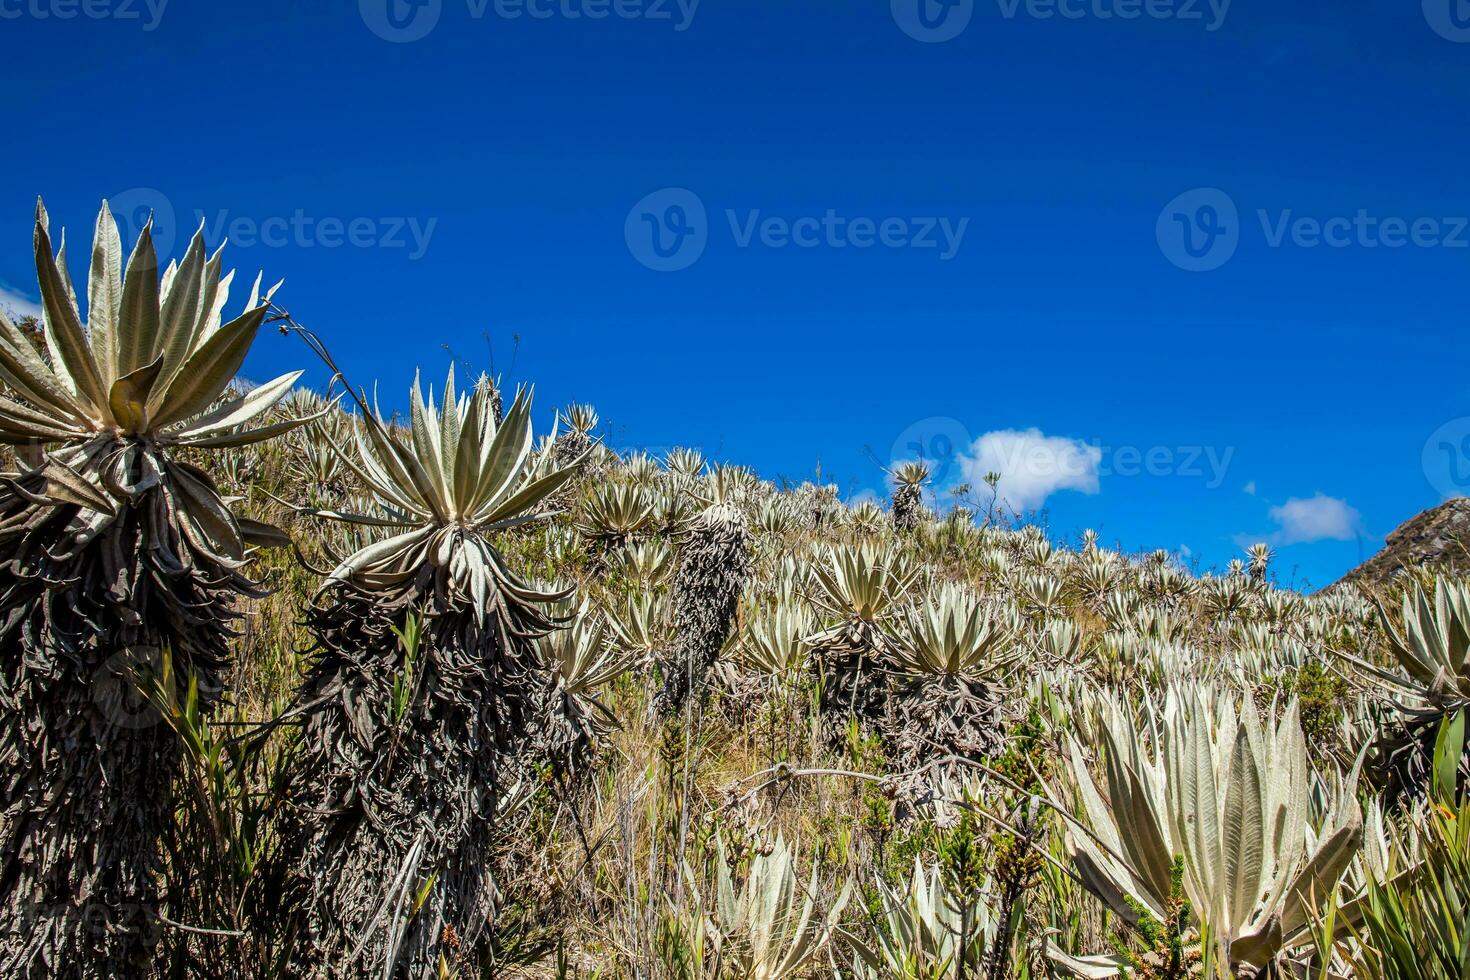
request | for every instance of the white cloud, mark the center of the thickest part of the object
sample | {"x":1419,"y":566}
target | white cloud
{"x":18,"y":303}
{"x":1250,"y":488}
{"x":1319,"y":518}
{"x":1032,"y":465}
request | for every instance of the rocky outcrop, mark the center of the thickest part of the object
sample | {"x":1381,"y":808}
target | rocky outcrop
{"x":1439,"y":536}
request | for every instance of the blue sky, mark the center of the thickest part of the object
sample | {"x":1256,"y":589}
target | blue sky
{"x":1196,"y":275}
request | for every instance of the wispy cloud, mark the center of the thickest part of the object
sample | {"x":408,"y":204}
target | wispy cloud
{"x":1317,"y":518}
{"x":1032,"y":465}
{"x":18,"y":303}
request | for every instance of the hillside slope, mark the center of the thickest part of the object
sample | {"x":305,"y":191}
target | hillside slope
{"x":1439,"y":536}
